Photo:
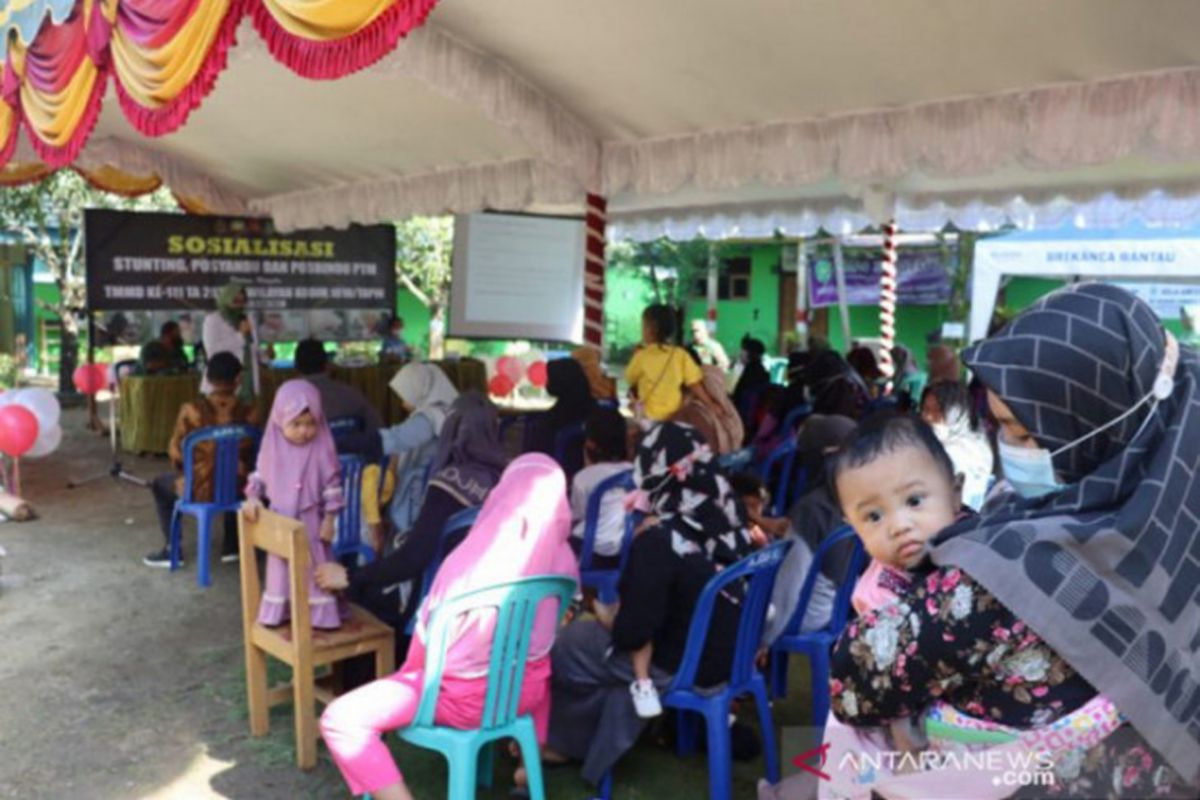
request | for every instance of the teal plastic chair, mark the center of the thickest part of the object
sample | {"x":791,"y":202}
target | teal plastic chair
{"x":468,"y":752}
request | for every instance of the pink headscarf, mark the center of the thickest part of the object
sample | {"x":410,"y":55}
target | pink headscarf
{"x":521,"y":531}
{"x":295,"y":476}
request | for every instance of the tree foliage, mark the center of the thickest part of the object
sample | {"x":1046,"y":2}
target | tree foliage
{"x":47,"y":216}
{"x":423,"y":247}
{"x":674,"y":267}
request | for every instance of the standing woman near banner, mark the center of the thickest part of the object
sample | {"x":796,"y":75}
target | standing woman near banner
{"x":231,"y":330}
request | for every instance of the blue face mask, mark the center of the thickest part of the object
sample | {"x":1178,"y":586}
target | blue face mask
{"x":1029,"y":470}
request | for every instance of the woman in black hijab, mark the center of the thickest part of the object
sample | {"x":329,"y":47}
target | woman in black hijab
{"x":1093,"y":562}
{"x":567,"y":382}
{"x":755,"y":379}
{"x":834,"y":387}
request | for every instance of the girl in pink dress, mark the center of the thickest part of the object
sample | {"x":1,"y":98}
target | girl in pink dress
{"x":299,"y":473}
{"x":522,"y":530}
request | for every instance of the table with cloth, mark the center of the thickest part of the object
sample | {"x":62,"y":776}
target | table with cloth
{"x":149,"y":406}
{"x":373,"y":379}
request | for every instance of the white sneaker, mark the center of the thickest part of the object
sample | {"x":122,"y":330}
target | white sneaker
{"x":645,"y":699}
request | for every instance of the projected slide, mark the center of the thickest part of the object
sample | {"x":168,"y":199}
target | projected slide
{"x":517,"y":277}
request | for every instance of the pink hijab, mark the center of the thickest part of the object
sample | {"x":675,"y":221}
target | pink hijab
{"x":521,"y":531}
{"x":295,"y":476}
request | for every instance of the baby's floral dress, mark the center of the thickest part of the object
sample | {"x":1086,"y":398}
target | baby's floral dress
{"x":950,"y":639}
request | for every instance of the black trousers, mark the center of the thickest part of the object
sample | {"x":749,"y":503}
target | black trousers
{"x":163,"y":489}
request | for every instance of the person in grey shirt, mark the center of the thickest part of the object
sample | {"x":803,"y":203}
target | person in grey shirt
{"x":341,"y":400}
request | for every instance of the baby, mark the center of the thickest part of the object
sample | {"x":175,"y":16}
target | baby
{"x":897,"y":488}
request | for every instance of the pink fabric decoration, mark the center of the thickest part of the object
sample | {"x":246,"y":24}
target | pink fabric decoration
{"x":172,"y":115}
{"x":336,"y":58}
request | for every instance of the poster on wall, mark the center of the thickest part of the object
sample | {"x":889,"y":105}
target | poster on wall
{"x":146,"y":268}
{"x":923,"y":278}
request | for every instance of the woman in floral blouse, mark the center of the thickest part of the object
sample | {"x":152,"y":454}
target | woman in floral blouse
{"x":1067,"y":586}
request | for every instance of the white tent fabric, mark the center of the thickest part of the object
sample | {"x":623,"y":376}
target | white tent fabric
{"x":1129,"y":254}
{"x":809,"y":112}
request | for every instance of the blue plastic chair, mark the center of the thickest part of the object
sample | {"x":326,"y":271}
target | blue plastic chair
{"x":341,"y":427}
{"x":568,"y":444}
{"x":468,"y":752}
{"x":816,"y":645}
{"x":605,"y":581}
{"x":756,"y":573}
{"x":782,"y":457}
{"x":792,"y":421}
{"x":226,"y":441}
{"x":459,"y":523}
{"x":348,"y":541}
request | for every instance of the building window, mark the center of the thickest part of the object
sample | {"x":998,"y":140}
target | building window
{"x":733,"y":280}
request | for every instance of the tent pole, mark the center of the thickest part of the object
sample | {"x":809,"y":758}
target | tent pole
{"x":593,"y":272}
{"x":801,"y":319}
{"x":711,"y":288}
{"x":887,"y":305}
{"x":839,"y":271}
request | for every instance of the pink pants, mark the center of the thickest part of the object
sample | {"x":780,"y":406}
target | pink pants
{"x":353,"y":725}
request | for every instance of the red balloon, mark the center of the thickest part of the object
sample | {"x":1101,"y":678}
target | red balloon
{"x":511,"y":368}
{"x":90,"y":378}
{"x":18,"y":430}
{"x":501,"y":386}
{"x":537,"y":373}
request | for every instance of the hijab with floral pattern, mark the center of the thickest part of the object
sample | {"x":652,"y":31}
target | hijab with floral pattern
{"x":682,"y":487}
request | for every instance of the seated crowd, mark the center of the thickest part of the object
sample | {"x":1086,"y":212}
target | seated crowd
{"x":935,"y":477}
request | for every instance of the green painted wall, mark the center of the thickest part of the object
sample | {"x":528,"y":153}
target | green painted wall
{"x":758,"y":316}
{"x":626,"y":293}
{"x":416,"y":318}
{"x":913,"y":324}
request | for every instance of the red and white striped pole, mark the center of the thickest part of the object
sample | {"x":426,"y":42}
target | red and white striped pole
{"x":593,"y":273}
{"x":887,"y":305}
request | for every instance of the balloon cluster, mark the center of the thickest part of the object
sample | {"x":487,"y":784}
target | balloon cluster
{"x":90,"y":378}
{"x":510,"y":370}
{"x":29,"y":423}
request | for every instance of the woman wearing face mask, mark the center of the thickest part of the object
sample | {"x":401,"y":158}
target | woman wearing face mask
{"x":1081,"y":581}
{"x":946,"y":406}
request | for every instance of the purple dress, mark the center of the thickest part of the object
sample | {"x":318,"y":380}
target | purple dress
{"x":304,"y":482}
{"x":328,"y":611}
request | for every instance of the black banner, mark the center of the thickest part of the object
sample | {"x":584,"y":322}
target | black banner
{"x":159,"y":262}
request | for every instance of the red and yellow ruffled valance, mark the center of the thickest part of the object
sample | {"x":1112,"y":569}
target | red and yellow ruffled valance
{"x":164,"y":57}
{"x":104,"y":178}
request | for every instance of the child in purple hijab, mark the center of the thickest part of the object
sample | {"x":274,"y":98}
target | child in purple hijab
{"x":299,"y":472}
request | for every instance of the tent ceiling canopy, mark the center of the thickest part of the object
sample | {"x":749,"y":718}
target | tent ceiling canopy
{"x":810,"y":110}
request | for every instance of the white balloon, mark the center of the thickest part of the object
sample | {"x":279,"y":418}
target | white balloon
{"x":42,"y":403}
{"x":47,"y":442}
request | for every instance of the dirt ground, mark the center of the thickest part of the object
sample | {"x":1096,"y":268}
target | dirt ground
{"x":118,"y":680}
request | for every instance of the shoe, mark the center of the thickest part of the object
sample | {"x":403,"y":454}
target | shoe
{"x":645,"y":699}
{"x":229,"y":558}
{"x":160,"y":558}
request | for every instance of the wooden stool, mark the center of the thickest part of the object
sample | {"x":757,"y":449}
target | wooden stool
{"x":297,"y":644}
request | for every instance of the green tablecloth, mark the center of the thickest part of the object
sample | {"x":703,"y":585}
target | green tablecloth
{"x":149,"y":407}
